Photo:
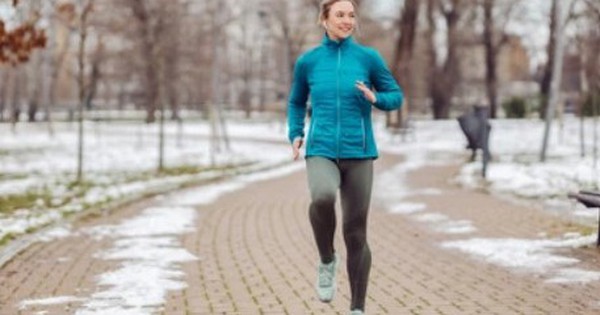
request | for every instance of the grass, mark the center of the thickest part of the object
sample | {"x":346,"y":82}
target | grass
{"x":12,"y":176}
{"x":43,"y":199}
{"x":6,"y":239}
{"x":28,"y":200}
{"x":177,"y":171}
{"x":190,"y":169}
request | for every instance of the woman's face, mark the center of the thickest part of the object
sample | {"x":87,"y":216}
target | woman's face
{"x":341,"y":20}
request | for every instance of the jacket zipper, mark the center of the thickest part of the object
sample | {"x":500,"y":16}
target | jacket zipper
{"x":338,"y":100}
{"x":364,"y":134}
{"x":313,"y":123}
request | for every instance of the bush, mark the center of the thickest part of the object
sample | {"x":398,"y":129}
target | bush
{"x":587,"y":109}
{"x":515,"y":107}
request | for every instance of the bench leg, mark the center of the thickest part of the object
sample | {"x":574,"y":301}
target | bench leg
{"x":598,"y":238}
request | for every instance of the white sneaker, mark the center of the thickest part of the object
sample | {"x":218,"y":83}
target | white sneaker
{"x":357,"y":312}
{"x":326,"y":280}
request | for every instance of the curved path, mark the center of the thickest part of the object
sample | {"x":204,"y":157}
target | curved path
{"x":251,"y":252}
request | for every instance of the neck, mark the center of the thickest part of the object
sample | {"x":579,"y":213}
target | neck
{"x":336,"y":38}
{"x":333,"y":37}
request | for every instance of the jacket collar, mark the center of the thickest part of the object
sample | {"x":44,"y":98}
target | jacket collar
{"x":336,"y":43}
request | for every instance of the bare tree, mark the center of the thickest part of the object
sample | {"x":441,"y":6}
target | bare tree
{"x":556,"y":73}
{"x":548,"y":68}
{"x":95,"y":74}
{"x":219,"y":139}
{"x":148,"y":33}
{"x":403,"y":54}
{"x":62,"y":23}
{"x":444,"y":76}
{"x":592,"y":64}
{"x":494,"y":38}
{"x":5,"y":75}
{"x":292,"y":30}
{"x":171,"y":56}
{"x":16,"y":87}
{"x":84,"y":11}
{"x":34,"y":90}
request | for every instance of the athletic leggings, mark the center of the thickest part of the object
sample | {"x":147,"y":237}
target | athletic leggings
{"x":354,"y":178}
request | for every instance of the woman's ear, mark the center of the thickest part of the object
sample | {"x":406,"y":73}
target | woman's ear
{"x":325,"y":25}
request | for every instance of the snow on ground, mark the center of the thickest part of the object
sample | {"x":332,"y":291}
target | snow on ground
{"x":150,"y":256}
{"x":148,"y":252}
{"x":29,"y":159}
{"x":536,"y":256}
{"x":118,"y":158}
{"x":515,"y":171}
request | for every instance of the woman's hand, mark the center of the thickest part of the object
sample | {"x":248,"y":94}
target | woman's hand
{"x":296,"y":145}
{"x":369,"y":95}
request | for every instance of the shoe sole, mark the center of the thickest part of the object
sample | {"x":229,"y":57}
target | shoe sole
{"x":335,"y":267}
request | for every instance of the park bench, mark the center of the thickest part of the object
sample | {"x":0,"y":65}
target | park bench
{"x":590,"y":199}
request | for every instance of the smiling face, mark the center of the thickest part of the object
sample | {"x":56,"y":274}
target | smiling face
{"x":340,"y":20}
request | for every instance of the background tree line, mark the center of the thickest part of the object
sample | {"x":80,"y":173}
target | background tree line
{"x":215,"y":55}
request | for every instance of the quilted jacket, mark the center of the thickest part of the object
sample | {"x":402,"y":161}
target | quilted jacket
{"x":340,"y":124}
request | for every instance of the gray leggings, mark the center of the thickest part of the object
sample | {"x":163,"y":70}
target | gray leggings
{"x":354,"y":178}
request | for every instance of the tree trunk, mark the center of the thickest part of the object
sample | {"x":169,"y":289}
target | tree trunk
{"x":3,"y":92}
{"x":444,"y":79}
{"x":148,"y":53}
{"x":35,"y":89}
{"x":56,"y":64}
{"x":86,"y":9}
{"x":95,"y":74}
{"x":403,"y":55}
{"x":547,"y":76}
{"x":171,"y":61}
{"x":16,"y":97}
{"x":491,"y":52}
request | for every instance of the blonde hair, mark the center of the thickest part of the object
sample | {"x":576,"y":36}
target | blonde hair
{"x":326,"y":5}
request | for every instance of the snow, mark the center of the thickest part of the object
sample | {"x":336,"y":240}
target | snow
{"x":115,"y":155}
{"x":147,"y":250}
{"x":515,"y":171}
{"x":150,"y":256}
{"x":536,"y":256}
{"x":149,"y":253}
{"x":48,"y":301}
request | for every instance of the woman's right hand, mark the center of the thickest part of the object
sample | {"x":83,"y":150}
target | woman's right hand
{"x":296,"y":145}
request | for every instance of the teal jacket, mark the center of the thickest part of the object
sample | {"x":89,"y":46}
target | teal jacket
{"x":340,"y":126}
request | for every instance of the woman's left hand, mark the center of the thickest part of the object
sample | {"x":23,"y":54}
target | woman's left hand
{"x":369,"y":95}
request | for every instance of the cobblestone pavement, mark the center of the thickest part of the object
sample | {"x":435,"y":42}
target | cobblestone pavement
{"x":256,"y":255}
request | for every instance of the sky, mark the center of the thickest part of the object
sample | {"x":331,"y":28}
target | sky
{"x":151,"y":257}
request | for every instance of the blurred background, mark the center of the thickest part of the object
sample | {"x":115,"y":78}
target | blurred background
{"x":103,"y":101}
{"x":183,"y":55}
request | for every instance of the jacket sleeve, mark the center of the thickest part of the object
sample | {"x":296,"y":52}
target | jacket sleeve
{"x":296,"y":111}
{"x":388,"y":93}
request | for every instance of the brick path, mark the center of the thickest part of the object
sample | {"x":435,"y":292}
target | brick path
{"x":256,"y":256}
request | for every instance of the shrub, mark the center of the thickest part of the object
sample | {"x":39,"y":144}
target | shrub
{"x":515,"y":107}
{"x":587,"y":109}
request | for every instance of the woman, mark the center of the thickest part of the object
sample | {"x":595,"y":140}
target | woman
{"x":339,"y":76}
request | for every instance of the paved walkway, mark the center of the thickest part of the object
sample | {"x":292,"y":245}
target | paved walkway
{"x":256,"y":256}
